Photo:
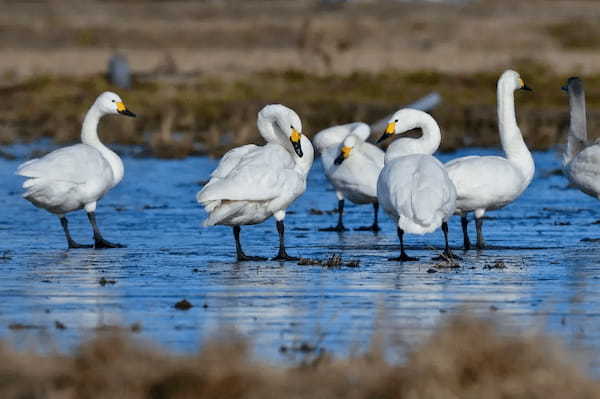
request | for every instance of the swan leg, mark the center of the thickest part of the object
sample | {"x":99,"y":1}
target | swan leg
{"x":99,"y":241}
{"x":282,"y":254}
{"x":403,"y":256}
{"x":447,"y":255}
{"x":241,"y":256}
{"x":375,"y":226}
{"x":479,"y":226}
{"x":72,"y":244}
{"x":464,"y":223}
{"x":340,"y":225}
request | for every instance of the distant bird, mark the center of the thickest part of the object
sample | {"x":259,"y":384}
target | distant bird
{"x":352,"y":166}
{"x":119,"y":73}
{"x":76,"y":177}
{"x":414,"y":187}
{"x":491,"y":182}
{"x":581,"y":159}
{"x":253,"y":183}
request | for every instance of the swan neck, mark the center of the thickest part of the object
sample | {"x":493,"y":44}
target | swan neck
{"x":514,"y":146}
{"x":578,"y":123}
{"x":89,"y":136}
{"x":427,"y":144}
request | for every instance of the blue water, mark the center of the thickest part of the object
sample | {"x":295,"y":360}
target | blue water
{"x":550,"y":284}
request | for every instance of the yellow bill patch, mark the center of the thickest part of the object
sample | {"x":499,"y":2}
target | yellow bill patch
{"x":295,"y":137}
{"x":121,"y":106}
{"x":346,"y":151}
{"x":391,"y":128}
{"x":521,"y":82}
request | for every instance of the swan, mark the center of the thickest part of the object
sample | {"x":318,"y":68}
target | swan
{"x":76,"y":177}
{"x":414,"y":187}
{"x":490,"y":182}
{"x":581,"y":159}
{"x":252,"y":183}
{"x":352,"y":166}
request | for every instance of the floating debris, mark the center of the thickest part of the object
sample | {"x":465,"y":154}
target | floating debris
{"x":184,"y":304}
{"x":20,"y":326}
{"x":103,"y":281}
{"x":499,"y":264}
{"x":334,"y":261}
{"x":59,"y":326}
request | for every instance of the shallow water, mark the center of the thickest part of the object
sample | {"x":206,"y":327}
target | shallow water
{"x":550,"y":282}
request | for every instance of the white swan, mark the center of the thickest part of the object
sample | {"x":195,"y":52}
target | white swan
{"x":76,"y":177}
{"x":352,"y":166}
{"x":581,"y":159}
{"x":414,"y":187}
{"x":491,"y":182}
{"x":252,"y":183}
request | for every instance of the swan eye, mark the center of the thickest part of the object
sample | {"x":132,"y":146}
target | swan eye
{"x":396,"y":121}
{"x":113,"y":101}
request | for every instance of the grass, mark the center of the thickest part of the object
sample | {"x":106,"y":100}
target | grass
{"x":464,"y":358}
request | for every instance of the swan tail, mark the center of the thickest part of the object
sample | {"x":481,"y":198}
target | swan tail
{"x":220,"y":211}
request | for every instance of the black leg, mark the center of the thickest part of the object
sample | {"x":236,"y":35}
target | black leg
{"x":447,"y":254}
{"x":375,"y":226}
{"x":479,"y":226}
{"x":465,"y":223}
{"x":403,"y":256}
{"x":72,"y":244}
{"x":340,"y":225}
{"x":241,"y":256}
{"x":99,"y":241}
{"x":282,"y":254}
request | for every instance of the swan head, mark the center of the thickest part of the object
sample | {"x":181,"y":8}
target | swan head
{"x":402,"y":122}
{"x":514,"y":80}
{"x":349,"y":143}
{"x":110,"y":103}
{"x":574,"y":85}
{"x":287,"y":123}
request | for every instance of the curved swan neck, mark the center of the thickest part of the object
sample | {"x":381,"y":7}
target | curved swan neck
{"x":578,"y":123}
{"x":511,"y":138}
{"x":266,"y":129}
{"x":428,"y":143}
{"x":305,"y":163}
{"x":89,"y":136}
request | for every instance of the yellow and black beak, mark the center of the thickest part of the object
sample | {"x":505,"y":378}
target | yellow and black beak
{"x":524,"y":86}
{"x":122,"y":109}
{"x":389,"y":131}
{"x":295,"y":139}
{"x":343,"y":155}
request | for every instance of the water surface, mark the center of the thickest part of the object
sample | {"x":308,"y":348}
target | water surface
{"x":550,"y":281}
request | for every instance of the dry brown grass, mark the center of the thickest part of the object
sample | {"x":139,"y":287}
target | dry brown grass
{"x":464,"y":358}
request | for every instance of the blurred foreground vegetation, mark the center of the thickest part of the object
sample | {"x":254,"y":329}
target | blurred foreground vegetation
{"x":464,"y":358}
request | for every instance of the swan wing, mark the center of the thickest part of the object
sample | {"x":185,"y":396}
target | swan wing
{"x":75,"y":164}
{"x":257,"y":175}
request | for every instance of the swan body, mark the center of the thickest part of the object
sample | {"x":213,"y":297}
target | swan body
{"x":491,"y":182}
{"x":417,"y":193}
{"x":253,"y":183}
{"x":414,"y":188}
{"x":76,"y":177}
{"x":352,"y":166}
{"x":581,"y":160}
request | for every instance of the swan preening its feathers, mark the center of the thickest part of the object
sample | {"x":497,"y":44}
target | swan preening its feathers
{"x":414,"y":187}
{"x":76,"y":177}
{"x":491,"y":182}
{"x":252,"y":183}
{"x":581,"y":159}
{"x":352,"y":166}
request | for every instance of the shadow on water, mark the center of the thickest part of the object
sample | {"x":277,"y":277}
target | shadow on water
{"x":537,"y":270}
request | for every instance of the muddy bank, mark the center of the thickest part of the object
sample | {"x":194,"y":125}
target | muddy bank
{"x":209,"y":115}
